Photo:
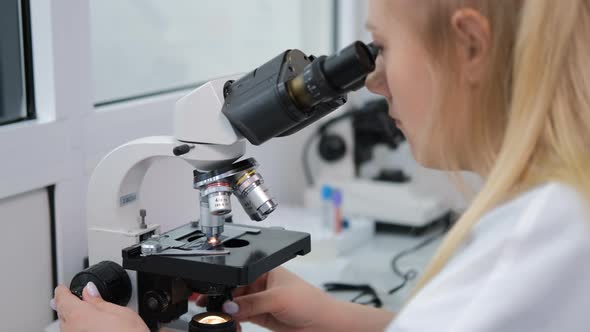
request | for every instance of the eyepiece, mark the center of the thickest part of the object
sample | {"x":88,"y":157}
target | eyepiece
{"x":374,"y":50}
{"x":349,"y":65}
{"x":328,"y":78}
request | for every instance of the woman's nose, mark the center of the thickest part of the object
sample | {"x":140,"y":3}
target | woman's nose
{"x":376,"y":81}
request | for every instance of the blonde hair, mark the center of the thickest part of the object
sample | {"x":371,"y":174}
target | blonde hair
{"x":533,"y":122}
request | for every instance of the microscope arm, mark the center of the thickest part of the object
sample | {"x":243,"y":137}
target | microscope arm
{"x":114,"y":202}
{"x":113,"y":191}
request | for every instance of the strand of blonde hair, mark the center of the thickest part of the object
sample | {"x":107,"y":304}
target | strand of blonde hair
{"x":548,"y":123}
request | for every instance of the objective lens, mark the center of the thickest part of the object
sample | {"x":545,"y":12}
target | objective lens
{"x":211,"y":225}
{"x":212,"y":322}
{"x":254,"y":196}
{"x":218,"y":194}
{"x":219,"y":203}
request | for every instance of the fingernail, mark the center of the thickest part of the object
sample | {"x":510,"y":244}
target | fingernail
{"x":231,"y":307}
{"x":92,"y":290}
{"x":52,"y":304}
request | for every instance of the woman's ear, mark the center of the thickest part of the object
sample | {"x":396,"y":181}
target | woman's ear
{"x":474,"y":39}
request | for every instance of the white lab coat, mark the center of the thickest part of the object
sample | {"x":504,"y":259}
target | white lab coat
{"x":525,"y":268}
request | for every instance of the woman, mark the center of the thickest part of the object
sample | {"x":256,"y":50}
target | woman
{"x":498,"y":87}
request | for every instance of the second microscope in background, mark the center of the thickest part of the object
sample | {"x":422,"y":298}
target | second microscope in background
{"x":380,"y":182}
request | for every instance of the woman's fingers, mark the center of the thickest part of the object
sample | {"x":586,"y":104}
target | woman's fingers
{"x":66,"y":303}
{"x":258,"y":286}
{"x":91,"y":294}
{"x":251,"y":305}
{"x":241,"y":291}
{"x":201,"y":300}
{"x":230,"y":307}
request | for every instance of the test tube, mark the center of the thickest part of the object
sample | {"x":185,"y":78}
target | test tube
{"x":337,"y":202}
{"x":327,"y":208}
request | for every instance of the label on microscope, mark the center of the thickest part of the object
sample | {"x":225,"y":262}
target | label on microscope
{"x":129,"y":198}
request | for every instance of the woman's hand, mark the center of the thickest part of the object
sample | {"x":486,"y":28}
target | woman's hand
{"x":93,"y":314}
{"x":281,"y":301}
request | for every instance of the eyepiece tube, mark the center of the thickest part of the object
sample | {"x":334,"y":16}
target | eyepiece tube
{"x":293,"y":90}
{"x":349,"y":65}
{"x":330,"y":77}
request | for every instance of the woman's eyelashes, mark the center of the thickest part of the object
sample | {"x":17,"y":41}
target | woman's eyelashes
{"x":378,"y":46}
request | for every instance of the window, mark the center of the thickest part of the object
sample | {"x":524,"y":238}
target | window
{"x":16,"y":96}
{"x":145,"y":47}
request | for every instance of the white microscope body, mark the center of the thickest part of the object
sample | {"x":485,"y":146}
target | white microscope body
{"x":113,"y":216}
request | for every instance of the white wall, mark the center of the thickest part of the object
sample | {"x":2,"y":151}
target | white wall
{"x":25,"y":255}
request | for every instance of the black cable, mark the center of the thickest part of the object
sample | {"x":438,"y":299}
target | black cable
{"x":411,"y":274}
{"x":365,"y":290}
{"x":53,"y":236}
{"x":306,"y":167}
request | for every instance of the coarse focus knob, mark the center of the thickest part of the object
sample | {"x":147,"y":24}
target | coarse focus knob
{"x":110,"y":278}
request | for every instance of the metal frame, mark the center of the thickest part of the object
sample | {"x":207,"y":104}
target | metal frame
{"x":28,"y":58}
{"x":24,"y":19}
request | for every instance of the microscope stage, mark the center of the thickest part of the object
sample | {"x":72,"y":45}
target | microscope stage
{"x":253,"y":251}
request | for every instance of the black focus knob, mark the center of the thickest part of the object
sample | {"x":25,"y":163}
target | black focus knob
{"x":110,"y":278}
{"x":181,"y":149}
{"x":156,"y":301}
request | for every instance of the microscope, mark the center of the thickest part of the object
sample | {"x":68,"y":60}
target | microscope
{"x":134,"y":264}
